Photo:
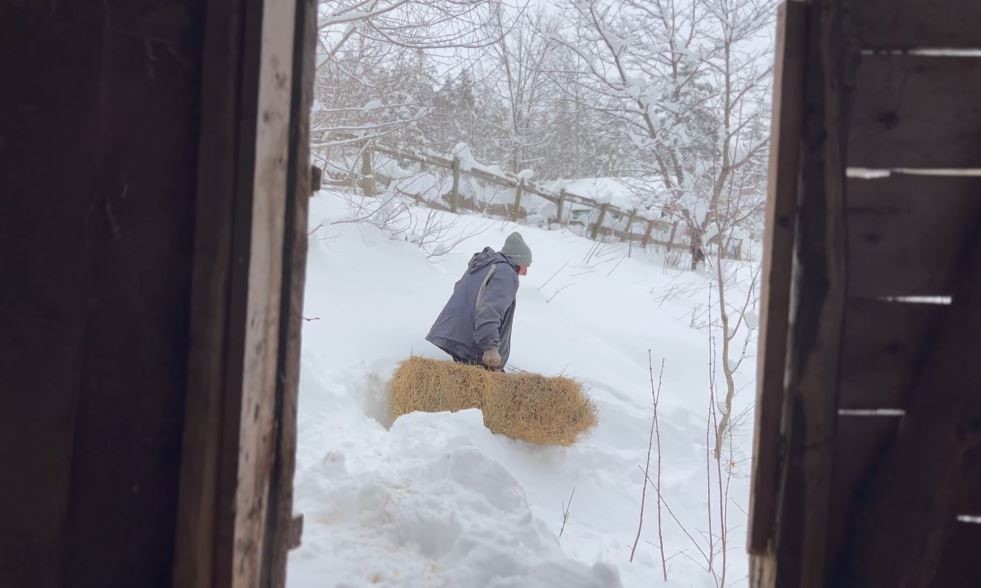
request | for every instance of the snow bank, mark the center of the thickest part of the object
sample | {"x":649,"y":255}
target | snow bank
{"x":441,"y":512}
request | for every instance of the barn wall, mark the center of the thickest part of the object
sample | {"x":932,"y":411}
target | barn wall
{"x":98,"y":149}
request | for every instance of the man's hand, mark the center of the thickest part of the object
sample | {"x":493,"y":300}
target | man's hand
{"x":492,"y":359}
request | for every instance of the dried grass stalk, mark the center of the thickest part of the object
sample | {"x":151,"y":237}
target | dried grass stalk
{"x":530,"y":407}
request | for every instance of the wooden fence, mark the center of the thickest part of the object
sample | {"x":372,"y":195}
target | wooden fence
{"x":563,"y":200}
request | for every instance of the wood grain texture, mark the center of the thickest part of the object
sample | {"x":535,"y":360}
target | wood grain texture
{"x":97,"y":164}
{"x":913,"y":111}
{"x":859,"y":445}
{"x":199,"y":533}
{"x":894,"y":544}
{"x":778,"y":246}
{"x":904,"y":231}
{"x":818,"y":305}
{"x":284,"y":530}
{"x":884,"y":343}
{"x":916,"y":24}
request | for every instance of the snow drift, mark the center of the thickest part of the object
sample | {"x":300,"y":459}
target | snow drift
{"x":438,"y":500}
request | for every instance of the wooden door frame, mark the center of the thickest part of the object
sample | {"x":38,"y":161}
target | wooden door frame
{"x":235,"y":509}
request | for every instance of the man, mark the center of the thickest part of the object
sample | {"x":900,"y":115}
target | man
{"x":475,"y":325}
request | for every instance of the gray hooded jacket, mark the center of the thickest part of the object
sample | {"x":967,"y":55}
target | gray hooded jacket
{"x":479,"y":314}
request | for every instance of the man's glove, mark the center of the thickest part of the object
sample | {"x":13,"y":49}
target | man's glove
{"x":492,"y":359}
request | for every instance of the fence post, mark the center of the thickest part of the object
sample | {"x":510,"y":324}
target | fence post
{"x":599,"y":221}
{"x":367,"y":174}
{"x":561,"y":204}
{"x":455,"y":192}
{"x":628,"y":232}
{"x":647,"y":234}
{"x":517,"y":200}
{"x":674,"y":229}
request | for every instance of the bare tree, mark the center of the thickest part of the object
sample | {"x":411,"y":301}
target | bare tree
{"x":685,"y":82}
{"x":376,"y":77}
{"x":521,"y":57}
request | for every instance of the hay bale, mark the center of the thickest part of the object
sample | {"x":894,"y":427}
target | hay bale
{"x":530,"y":407}
{"x":427,"y":385}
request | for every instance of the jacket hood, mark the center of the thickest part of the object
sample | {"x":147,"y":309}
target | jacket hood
{"x":485,"y":258}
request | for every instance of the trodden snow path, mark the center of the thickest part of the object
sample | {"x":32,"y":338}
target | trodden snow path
{"x":438,"y":500}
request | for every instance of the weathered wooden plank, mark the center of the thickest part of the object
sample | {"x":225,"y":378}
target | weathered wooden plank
{"x":818,"y":296}
{"x":229,"y":445}
{"x":283,"y":529}
{"x":969,"y":502}
{"x":547,"y":195}
{"x":883,"y":344}
{"x":258,"y":280}
{"x":913,"y":111}
{"x":777,"y":257}
{"x":860,"y":442}
{"x":904,"y":231}
{"x":960,"y":564}
{"x":894,"y":544}
{"x":917,"y":24}
{"x":96,"y":236}
{"x":43,"y":300}
{"x":126,"y":454}
{"x":197,"y":535}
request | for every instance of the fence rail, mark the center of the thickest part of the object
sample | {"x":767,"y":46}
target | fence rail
{"x":563,"y":200}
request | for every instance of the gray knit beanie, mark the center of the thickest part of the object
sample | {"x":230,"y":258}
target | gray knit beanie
{"x":516,"y":251}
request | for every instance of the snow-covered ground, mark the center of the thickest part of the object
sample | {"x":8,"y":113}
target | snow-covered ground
{"x":437,"y":499}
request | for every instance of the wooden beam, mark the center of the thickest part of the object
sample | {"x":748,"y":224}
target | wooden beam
{"x":282,"y":529}
{"x":915,"y":111}
{"x":255,"y":306}
{"x":904,"y":230}
{"x":917,"y":24}
{"x":218,"y":157}
{"x":892,"y":543}
{"x":778,"y":244}
{"x":230,"y":439}
{"x":817,"y":308}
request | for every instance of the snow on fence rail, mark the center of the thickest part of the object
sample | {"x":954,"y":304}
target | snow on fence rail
{"x":563,"y":201}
